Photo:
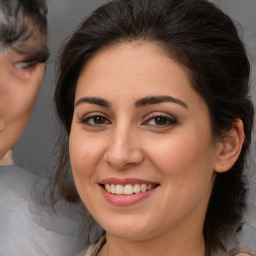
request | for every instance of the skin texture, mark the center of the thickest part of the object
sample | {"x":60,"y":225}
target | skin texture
{"x":126,"y":140}
{"x":21,"y":71}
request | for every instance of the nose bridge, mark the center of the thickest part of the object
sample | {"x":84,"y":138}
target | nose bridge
{"x":122,"y":136}
{"x":123,"y":149}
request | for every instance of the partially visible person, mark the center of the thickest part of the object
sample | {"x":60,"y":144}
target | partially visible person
{"x":26,"y":227}
{"x":153,"y":97}
{"x":23,"y":52}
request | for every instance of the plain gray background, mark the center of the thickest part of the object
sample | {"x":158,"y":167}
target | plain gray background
{"x":34,"y":149}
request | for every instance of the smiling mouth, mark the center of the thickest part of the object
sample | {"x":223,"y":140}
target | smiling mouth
{"x":128,"y":189}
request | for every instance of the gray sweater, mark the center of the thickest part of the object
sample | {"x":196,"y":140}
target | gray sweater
{"x":30,"y":229}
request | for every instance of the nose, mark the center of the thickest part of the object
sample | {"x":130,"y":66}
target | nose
{"x":123,"y":151}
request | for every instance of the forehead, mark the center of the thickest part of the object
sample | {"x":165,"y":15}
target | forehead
{"x":132,"y":59}
{"x":35,"y":41}
{"x":133,"y":67}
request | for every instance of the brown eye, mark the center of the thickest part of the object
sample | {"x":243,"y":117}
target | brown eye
{"x":99,"y":119}
{"x":95,"y":120}
{"x":160,"y":120}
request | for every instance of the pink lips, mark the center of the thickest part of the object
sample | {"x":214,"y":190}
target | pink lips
{"x":125,"y":200}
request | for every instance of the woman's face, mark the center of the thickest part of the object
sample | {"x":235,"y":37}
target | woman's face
{"x":21,"y":76}
{"x":140,"y":130}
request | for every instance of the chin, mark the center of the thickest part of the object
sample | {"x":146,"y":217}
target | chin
{"x":129,"y":231}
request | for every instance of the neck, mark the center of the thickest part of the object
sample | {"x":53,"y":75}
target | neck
{"x":164,"y":246}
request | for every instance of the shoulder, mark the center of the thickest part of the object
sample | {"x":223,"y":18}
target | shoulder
{"x":94,"y":248}
{"x":32,"y":226}
{"x":247,"y":233}
{"x":11,"y":173}
{"x":90,"y":251}
{"x":241,"y":251}
{"x":15,"y":189}
{"x":15,"y":183}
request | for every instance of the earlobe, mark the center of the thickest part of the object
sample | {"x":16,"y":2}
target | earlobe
{"x":230,"y":147}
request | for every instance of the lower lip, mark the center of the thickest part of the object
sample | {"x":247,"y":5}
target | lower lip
{"x":125,"y":200}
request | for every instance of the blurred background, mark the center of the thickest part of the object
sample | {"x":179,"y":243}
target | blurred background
{"x":34,"y":150}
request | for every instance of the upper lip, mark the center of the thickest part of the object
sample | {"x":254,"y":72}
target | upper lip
{"x":126,"y":181}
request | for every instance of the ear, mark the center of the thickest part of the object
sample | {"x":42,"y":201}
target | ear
{"x":229,"y":147}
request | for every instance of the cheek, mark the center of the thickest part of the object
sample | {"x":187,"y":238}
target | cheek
{"x":17,"y":100}
{"x":181,"y":155}
{"x":186,"y":167}
{"x":33,"y":85}
{"x":84,"y":153}
{"x":29,"y":75}
{"x":172,"y":153}
{"x":20,"y":95}
{"x":40,"y":73}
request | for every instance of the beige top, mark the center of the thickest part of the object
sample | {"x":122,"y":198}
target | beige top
{"x":94,"y":249}
{"x":241,"y":251}
{"x":8,"y":159}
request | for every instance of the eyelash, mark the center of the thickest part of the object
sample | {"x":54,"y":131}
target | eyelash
{"x":86,"y":120}
{"x":168,"y":121}
{"x":24,"y":64}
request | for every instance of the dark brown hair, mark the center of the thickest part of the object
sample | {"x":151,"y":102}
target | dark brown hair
{"x":15,"y":18}
{"x":205,"y":40}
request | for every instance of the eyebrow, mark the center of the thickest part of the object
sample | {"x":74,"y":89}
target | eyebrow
{"x":139,"y":103}
{"x":93,"y":100}
{"x":159,"y":99}
{"x":41,"y":55}
{"x":34,"y":55}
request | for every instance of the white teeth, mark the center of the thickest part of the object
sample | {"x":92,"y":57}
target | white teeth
{"x":127,"y":189}
{"x":119,"y":189}
{"x":108,"y":188}
{"x":143,"y":188}
{"x":113,"y":189}
{"x":136,"y":188}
